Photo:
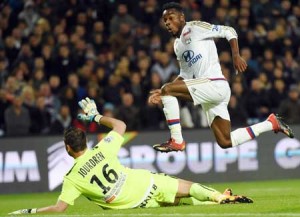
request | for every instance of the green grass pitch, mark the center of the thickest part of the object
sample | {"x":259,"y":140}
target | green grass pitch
{"x":271,"y":199}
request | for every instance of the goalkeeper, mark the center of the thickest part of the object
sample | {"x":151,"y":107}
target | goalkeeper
{"x":98,"y":175}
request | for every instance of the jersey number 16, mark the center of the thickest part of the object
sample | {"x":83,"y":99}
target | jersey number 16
{"x":109,"y":174}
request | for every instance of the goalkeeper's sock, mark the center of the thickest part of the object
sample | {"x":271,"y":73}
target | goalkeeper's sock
{"x":242,"y":135}
{"x":193,"y":201}
{"x":204,"y":193}
{"x":171,"y":110}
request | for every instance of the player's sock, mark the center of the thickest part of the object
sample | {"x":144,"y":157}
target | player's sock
{"x":171,"y":110}
{"x":204,"y":193}
{"x":242,"y":135}
{"x":193,"y":201}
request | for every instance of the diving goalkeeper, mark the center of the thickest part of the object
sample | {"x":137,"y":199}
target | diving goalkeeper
{"x":98,"y":175}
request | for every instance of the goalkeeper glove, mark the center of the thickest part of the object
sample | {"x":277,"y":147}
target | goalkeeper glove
{"x":90,"y":109}
{"x":23,"y":211}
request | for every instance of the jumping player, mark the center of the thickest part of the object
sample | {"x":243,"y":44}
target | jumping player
{"x":202,"y":82}
{"x":98,"y":175}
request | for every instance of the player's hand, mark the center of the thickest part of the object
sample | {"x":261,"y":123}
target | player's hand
{"x":239,"y":63}
{"x":90,"y":109}
{"x":155,"y":96}
{"x":23,"y":211}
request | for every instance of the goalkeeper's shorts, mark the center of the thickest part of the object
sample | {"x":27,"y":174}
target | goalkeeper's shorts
{"x":163,"y":192}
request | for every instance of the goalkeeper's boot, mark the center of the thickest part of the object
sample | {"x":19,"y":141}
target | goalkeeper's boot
{"x":169,"y":146}
{"x":279,"y":125}
{"x":229,"y":198}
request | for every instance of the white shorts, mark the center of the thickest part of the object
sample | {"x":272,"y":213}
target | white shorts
{"x":212,"y":94}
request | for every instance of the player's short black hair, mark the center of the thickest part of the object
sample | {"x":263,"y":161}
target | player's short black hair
{"x":172,"y":5}
{"x":75,"y":138}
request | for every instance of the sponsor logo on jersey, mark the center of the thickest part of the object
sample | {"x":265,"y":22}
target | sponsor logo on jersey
{"x":215,"y":28}
{"x":190,"y":58}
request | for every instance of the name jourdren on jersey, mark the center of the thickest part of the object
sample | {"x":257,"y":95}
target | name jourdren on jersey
{"x":196,"y":50}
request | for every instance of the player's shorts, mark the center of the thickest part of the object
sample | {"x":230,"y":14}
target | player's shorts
{"x":163,"y":191}
{"x":212,"y":94}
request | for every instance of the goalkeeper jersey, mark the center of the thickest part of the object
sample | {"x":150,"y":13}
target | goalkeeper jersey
{"x":99,"y":176}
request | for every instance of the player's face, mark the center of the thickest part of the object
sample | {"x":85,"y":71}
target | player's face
{"x":174,"y":21}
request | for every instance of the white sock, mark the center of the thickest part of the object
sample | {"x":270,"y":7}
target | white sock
{"x":171,"y":110}
{"x":242,"y":135}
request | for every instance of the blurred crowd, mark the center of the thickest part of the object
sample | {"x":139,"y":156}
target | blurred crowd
{"x":54,"y":53}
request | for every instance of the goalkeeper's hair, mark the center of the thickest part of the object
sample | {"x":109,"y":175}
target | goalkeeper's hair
{"x":75,"y":138}
{"x":172,"y":5}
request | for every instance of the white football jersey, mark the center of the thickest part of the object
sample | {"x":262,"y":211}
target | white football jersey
{"x":196,"y":50}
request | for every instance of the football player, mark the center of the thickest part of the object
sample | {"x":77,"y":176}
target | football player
{"x":98,"y":175}
{"x":201,"y":81}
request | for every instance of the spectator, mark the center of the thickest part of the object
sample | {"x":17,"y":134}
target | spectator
{"x":290,"y":107}
{"x":17,"y":118}
{"x":113,"y":91}
{"x":165,"y":67}
{"x":136,"y":88}
{"x":120,"y":18}
{"x":29,"y":15}
{"x":157,"y":119}
{"x":277,"y":94}
{"x":257,"y":102}
{"x":38,"y":79}
{"x":69,"y":98}
{"x":3,"y":106}
{"x":3,"y":72}
{"x":63,"y":120}
{"x":237,"y":112}
{"x":149,"y":13}
{"x":11,"y":50}
{"x":64,"y":64}
{"x":129,"y":113}
{"x":41,"y":118}
{"x":120,"y":40}
{"x":108,"y":110}
{"x":54,"y":83}
{"x":52,"y":101}
{"x":73,"y":82}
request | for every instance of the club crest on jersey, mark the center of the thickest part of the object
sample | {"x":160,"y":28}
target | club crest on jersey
{"x":190,"y":57}
{"x":108,"y":139}
{"x":186,"y":36}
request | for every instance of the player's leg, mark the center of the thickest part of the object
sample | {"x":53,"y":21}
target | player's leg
{"x":190,"y":193}
{"x":221,"y":129}
{"x":170,"y":93}
{"x":219,"y":121}
{"x":174,"y":191}
{"x":227,"y":139}
{"x":272,"y":123}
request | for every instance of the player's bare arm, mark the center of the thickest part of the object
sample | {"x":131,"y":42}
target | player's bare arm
{"x":60,"y":206}
{"x":239,"y":63}
{"x":116,"y":125}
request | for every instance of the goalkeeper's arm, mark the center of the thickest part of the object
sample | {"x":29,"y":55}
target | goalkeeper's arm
{"x":115,"y":124}
{"x":91,"y":114}
{"x":60,"y":206}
